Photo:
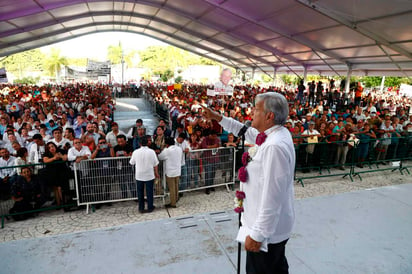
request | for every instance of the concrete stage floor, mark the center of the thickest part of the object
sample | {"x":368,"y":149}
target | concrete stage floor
{"x":368,"y":231}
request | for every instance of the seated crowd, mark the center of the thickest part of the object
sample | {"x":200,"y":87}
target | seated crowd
{"x":60,"y":125}
{"x":317,"y":115}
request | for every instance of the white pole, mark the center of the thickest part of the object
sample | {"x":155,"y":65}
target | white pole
{"x":305,"y":73}
{"x":382,"y":83}
{"x":348,"y":75}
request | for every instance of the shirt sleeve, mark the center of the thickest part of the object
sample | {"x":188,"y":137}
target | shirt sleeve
{"x":231,"y":125}
{"x":132,"y":160}
{"x":163,"y":155}
{"x":155,"y":160}
{"x":274,"y":191}
{"x":70,"y":155}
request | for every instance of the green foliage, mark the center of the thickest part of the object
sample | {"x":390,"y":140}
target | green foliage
{"x":375,"y":81}
{"x":20,"y":63}
{"x":266,"y":78}
{"x":178,"y":79}
{"x":206,"y":61}
{"x":289,"y":79}
{"x":27,"y":80}
{"x":166,"y":75}
{"x":54,"y":62}
{"x":159,"y":59}
{"x":78,"y":62}
{"x":114,"y":54}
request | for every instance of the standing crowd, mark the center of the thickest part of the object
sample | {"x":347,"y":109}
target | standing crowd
{"x":53,"y":127}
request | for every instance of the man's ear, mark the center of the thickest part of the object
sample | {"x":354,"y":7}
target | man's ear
{"x":270,"y":116}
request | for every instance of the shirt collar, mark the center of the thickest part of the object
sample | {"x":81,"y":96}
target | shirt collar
{"x":270,"y":130}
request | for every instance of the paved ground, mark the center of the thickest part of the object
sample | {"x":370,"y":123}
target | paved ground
{"x":365,"y":231}
{"x":59,"y":222}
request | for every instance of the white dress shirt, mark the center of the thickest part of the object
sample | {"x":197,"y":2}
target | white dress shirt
{"x":145,"y":160}
{"x":60,"y":144}
{"x":268,"y":206}
{"x":173,"y":156}
{"x":112,"y":138}
{"x":7,"y":163}
{"x":73,"y":153}
{"x":184,"y":145}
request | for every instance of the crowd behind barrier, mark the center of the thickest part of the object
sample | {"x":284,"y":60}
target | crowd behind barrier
{"x":109,"y":180}
{"x":323,"y":126}
{"x":103,"y":181}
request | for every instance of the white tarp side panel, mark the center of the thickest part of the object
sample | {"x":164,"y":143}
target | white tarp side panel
{"x":405,"y":90}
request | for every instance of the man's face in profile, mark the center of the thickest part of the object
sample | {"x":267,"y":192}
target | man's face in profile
{"x":225,"y":76}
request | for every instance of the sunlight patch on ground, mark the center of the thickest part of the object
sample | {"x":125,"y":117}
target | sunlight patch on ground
{"x":129,"y":106}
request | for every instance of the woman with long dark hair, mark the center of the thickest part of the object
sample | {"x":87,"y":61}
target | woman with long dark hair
{"x":56,"y":171}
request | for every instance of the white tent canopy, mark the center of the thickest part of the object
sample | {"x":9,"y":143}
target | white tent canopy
{"x":367,"y":37}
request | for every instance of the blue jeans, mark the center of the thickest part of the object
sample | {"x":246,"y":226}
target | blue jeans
{"x":210,"y":171}
{"x":126,"y":186}
{"x":183,"y":177}
{"x":193,"y":170}
{"x":149,"y":193}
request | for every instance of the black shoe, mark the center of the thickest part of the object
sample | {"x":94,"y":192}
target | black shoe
{"x":142,"y":211}
{"x":151,"y":210}
{"x":207,"y":191}
{"x":212,"y":189}
{"x":170,"y":206}
{"x":180,"y":194}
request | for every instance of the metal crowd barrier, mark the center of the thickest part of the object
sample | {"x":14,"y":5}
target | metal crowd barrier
{"x":206,"y":168}
{"x":107,"y":180}
{"x":33,"y":204}
{"x":160,"y":109}
{"x":113,"y":179}
{"x":351,"y":159}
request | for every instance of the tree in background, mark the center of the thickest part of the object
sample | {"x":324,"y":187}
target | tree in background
{"x":54,"y":62}
{"x":166,"y":75}
{"x":21,"y":63}
{"x":115,"y":54}
{"x":160,"y":59}
{"x":375,"y":81}
{"x":78,"y":62}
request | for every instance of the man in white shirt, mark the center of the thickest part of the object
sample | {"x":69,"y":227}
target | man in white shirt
{"x":173,"y":155}
{"x":6,"y":173}
{"x":268,"y":204}
{"x":146,"y":163}
{"x":58,"y":139}
{"x":184,"y":145}
{"x":78,"y":152}
{"x":111,"y":136}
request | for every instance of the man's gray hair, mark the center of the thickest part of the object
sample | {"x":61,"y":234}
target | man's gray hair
{"x":276,"y":103}
{"x":227,"y":69}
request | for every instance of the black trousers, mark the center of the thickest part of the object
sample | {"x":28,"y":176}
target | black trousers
{"x":273,"y":261}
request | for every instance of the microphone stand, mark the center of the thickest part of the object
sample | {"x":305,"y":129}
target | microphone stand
{"x":239,"y":245}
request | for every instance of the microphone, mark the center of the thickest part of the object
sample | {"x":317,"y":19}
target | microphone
{"x":243,"y":130}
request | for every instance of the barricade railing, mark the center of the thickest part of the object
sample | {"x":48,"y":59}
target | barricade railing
{"x":35,"y":196}
{"x":160,"y":109}
{"x":205,"y":168}
{"x":349,"y":157}
{"x":384,"y":154}
{"x":106,"y":180}
{"x":323,"y":156}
